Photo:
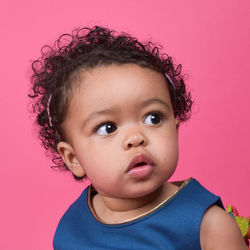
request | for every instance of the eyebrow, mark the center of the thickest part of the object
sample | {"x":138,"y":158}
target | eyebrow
{"x":155,"y":100}
{"x":98,"y":113}
{"x":110,"y":111}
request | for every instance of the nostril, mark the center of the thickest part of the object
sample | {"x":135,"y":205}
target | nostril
{"x":141,"y":142}
{"x":135,"y":141}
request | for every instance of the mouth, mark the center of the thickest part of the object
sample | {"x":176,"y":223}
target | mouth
{"x":140,"y":166}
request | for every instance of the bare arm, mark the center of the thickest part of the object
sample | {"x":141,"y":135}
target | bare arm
{"x":220,"y":231}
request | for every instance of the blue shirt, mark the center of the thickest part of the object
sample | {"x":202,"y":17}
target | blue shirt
{"x":174,"y":225}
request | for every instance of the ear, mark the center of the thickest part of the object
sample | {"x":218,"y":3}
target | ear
{"x":70,"y":159}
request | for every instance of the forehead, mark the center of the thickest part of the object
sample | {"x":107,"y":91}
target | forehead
{"x":111,"y":85}
{"x":113,"y":78}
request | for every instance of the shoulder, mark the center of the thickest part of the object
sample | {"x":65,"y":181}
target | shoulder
{"x":74,"y":214}
{"x":71,"y":223}
{"x":220,"y":231}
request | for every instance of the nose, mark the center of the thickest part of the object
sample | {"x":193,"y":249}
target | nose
{"x":135,"y":139}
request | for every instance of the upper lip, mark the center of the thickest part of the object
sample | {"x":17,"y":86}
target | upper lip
{"x":140,"y":158}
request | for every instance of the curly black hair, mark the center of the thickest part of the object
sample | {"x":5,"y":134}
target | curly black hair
{"x":86,"y":48}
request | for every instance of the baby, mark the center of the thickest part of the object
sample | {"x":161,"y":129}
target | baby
{"x":109,"y":109}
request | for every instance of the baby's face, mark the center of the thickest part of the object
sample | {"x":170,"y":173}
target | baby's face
{"x":121,"y":130}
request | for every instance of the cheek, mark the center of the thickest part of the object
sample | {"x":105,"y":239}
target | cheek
{"x":98,"y":162}
{"x":168,"y":154}
{"x":167,"y":147}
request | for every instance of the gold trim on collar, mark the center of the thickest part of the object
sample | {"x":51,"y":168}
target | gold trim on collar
{"x":180,"y":184}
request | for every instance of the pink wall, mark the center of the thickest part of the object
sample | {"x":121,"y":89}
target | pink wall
{"x":211,"y":40}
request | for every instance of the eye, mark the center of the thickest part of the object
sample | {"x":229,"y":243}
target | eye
{"x":106,"y":128}
{"x":153,"y":118}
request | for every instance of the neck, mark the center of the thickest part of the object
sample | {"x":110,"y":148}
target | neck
{"x":128,"y":204}
{"x":114,"y":210}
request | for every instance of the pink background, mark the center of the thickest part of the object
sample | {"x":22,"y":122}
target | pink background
{"x":211,"y":40}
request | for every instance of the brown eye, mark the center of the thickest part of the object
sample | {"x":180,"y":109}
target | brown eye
{"x":106,"y":128}
{"x":153,"y":118}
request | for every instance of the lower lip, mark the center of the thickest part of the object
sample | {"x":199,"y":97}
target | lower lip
{"x":141,"y":172}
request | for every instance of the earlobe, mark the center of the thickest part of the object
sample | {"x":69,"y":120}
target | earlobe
{"x":70,"y":158}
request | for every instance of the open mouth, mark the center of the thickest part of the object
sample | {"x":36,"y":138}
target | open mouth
{"x":140,"y":166}
{"x":140,"y":160}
